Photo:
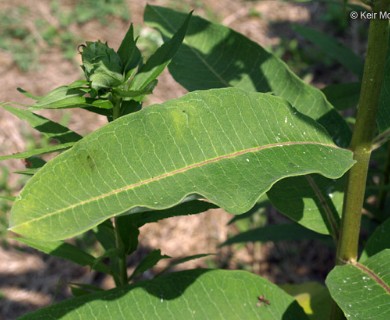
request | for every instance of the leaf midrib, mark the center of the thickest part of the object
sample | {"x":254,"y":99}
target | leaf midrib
{"x":174,"y":172}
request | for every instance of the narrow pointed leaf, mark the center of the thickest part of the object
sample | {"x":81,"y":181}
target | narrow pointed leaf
{"x":68,"y":97}
{"x":225,"y":145}
{"x":35,"y":152}
{"x":275,"y":233}
{"x":28,"y":94}
{"x":192,"y":294}
{"x":48,"y":128}
{"x":148,"y":262}
{"x":336,"y":50}
{"x":161,"y":58}
{"x":61,"y":97}
{"x":66,"y":251}
{"x":128,"y":51}
{"x":363,"y":290}
{"x":176,"y":262}
{"x":214,"y":56}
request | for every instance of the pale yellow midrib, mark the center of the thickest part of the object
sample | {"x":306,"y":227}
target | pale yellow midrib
{"x":174,"y":172}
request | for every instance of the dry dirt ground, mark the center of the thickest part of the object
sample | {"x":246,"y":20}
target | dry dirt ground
{"x":30,"y":280}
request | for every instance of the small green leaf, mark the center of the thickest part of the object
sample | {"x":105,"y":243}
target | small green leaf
{"x":137,"y":95}
{"x":48,"y":128}
{"x":61,"y":97}
{"x":66,"y":251}
{"x":275,"y":233}
{"x":28,"y":94}
{"x":330,"y":46}
{"x":105,"y":234}
{"x":363,"y":290}
{"x":128,"y":51}
{"x":35,"y":152}
{"x":160,"y":59}
{"x":192,"y":294}
{"x":128,"y":233}
{"x":148,"y":262}
{"x":80,"y":289}
{"x":176,"y":261}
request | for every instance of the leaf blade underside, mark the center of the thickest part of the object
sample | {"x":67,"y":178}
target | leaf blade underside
{"x":225,"y":145}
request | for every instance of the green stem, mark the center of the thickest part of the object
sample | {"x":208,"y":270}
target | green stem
{"x":116,"y":109}
{"x":121,"y":277}
{"x":361,"y":144}
{"x":362,"y":136}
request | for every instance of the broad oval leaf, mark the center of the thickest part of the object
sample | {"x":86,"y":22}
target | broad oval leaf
{"x":214,"y":56}
{"x":192,"y":294}
{"x":225,"y":145}
{"x":363,"y":290}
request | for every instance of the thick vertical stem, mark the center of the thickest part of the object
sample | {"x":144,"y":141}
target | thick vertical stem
{"x":120,"y":260}
{"x":361,"y":144}
{"x":362,"y":136}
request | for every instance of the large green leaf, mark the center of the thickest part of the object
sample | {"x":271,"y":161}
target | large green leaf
{"x":363,"y":290}
{"x":192,"y":294}
{"x":225,"y":145}
{"x":214,"y":56}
